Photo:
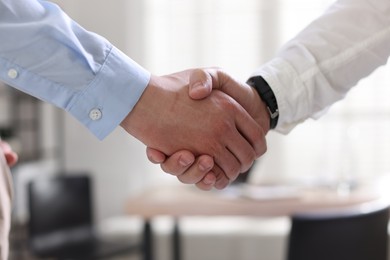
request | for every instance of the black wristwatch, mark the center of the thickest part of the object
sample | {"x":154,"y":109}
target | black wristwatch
{"x":267,"y":95}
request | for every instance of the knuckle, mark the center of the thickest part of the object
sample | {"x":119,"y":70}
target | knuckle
{"x":227,"y":104}
{"x":224,"y":127}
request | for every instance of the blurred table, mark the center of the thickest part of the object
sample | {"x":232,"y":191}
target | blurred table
{"x":182,"y":200}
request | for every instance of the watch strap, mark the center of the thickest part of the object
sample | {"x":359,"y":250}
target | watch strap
{"x":267,"y":95}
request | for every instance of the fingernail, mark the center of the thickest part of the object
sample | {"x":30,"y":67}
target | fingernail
{"x":197,"y":86}
{"x":184,"y":161}
{"x":209,"y":179}
{"x":205,"y":165}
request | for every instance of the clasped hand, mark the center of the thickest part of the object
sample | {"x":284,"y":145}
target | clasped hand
{"x":203,"y":137}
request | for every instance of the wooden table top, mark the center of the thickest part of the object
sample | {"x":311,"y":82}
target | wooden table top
{"x":183,"y":200}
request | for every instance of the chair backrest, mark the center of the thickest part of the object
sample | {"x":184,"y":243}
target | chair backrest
{"x":359,"y":233}
{"x":60,"y":210}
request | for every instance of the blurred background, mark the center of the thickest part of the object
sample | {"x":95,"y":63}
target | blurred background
{"x":347,"y":146}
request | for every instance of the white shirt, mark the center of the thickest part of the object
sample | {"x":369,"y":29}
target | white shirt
{"x":323,"y":62}
{"x":46,"y":54}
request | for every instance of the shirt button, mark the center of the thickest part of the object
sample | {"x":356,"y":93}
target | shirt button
{"x":13,"y":73}
{"x":95,"y":114}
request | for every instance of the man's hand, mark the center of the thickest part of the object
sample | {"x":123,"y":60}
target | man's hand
{"x":184,"y":163}
{"x":166,"y":119}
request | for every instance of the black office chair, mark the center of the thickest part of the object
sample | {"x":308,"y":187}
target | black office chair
{"x":352,"y":234}
{"x":61,"y":221}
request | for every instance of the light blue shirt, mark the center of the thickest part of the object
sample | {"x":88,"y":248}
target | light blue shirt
{"x":46,"y":54}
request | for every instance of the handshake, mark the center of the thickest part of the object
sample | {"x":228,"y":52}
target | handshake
{"x":201,"y":125}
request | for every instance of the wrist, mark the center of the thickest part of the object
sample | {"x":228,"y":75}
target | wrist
{"x":139,"y":119}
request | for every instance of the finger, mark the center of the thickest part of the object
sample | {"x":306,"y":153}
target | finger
{"x":155,"y":156}
{"x":226,"y":83}
{"x":200,"y":84}
{"x":208,"y":182}
{"x":178,"y":163}
{"x":221,"y":179}
{"x":248,"y":143}
{"x":242,"y":150}
{"x":247,"y":99}
{"x":229,"y":164}
{"x":197,"y":171}
{"x":253,"y":134}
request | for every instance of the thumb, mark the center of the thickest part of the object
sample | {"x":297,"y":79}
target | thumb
{"x":200,"y":84}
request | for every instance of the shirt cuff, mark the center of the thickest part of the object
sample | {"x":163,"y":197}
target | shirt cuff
{"x":288,"y":89}
{"x":110,"y":97}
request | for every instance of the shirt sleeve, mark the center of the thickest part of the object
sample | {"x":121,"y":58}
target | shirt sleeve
{"x":46,"y":54}
{"x":323,"y":62}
